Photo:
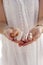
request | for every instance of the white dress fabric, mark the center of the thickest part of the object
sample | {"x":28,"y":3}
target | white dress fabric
{"x":22,"y":14}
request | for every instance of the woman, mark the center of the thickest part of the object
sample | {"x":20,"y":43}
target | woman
{"x":21,"y":14}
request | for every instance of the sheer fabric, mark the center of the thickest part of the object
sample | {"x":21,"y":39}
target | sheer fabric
{"x":23,"y":15}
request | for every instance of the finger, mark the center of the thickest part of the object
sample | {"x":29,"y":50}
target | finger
{"x":24,"y":43}
{"x":30,"y":41}
{"x":20,"y":43}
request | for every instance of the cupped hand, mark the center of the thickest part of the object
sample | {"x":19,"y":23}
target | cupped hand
{"x":33,"y":35}
{"x":11,"y":33}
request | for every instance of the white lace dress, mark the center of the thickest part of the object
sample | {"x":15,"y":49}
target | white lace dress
{"x":23,"y":15}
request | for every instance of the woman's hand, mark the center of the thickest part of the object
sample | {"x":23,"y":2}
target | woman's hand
{"x":33,"y":35}
{"x":11,"y":33}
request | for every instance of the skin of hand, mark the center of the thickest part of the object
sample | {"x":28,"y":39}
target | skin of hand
{"x":10,"y":33}
{"x":35,"y":35}
{"x":13,"y":33}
